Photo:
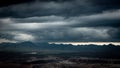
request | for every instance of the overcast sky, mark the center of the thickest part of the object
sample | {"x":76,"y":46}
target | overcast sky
{"x":60,"y":20}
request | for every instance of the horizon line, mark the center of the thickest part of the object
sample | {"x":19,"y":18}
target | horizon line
{"x":86,"y":43}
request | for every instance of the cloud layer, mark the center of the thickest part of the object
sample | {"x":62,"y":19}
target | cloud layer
{"x":60,"y":20}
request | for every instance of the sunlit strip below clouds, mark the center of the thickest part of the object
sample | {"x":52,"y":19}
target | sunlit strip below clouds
{"x":86,"y":43}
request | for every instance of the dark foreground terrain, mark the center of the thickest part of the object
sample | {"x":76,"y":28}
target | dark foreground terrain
{"x":44,"y":55}
{"x":65,"y":63}
{"x":33,"y":60}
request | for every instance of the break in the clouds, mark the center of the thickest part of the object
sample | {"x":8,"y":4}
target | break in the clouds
{"x":60,"y":20}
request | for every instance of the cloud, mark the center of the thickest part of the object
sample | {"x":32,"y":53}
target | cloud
{"x":115,"y":14}
{"x":6,"y":20}
{"x":7,"y":41}
{"x":105,"y":19}
{"x":34,"y":9}
{"x":14,"y":2}
{"x":59,"y":20}
{"x":23,"y":37}
{"x":62,"y":8}
{"x":77,"y":34}
{"x":36,"y":19}
{"x":74,"y":34}
{"x":16,"y":36}
{"x":6,"y":35}
{"x":37,"y":26}
{"x":92,"y":32}
{"x":33,"y":23}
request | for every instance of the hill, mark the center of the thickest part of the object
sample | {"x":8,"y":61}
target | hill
{"x":63,"y":49}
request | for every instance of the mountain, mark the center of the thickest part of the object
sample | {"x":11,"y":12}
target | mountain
{"x":30,"y":46}
{"x":68,"y":49}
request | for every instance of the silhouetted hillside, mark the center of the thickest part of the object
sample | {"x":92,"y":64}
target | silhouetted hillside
{"x":81,"y":50}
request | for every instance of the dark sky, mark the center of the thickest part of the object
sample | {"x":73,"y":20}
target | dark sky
{"x":60,"y":20}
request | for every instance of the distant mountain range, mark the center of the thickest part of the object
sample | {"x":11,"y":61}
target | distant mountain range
{"x":85,"y":50}
{"x":29,"y":46}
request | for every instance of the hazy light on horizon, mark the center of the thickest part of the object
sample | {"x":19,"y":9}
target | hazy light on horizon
{"x":86,"y":43}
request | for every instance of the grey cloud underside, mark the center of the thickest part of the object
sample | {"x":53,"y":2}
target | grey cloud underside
{"x":104,"y":19}
{"x":97,"y":27}
{"x":99,"y":23}
{"x":61,"y":20}
{"x":6,"y":35}
{"x":72,"y":34}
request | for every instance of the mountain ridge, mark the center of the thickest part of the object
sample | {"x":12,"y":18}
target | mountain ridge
{"x":62,"y":49}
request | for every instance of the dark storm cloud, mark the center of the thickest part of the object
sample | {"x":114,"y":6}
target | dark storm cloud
{"x":104,"y":19}
{"x":107,"y":4}
{"x":15,"y":36}
{"x":98,"y":23}
{"x":115,"y":34}
{"x":85,"y":34}
{"x":41,"y":19}
{"x":60,"y":20}
{"x":33,"y":9}
{"x":6,"y":37}
{"x":58,"y":7}
{"x":55,"y":34}
{"x":4,"y":3}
